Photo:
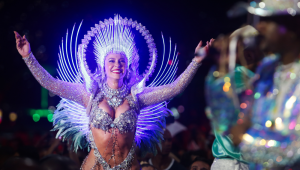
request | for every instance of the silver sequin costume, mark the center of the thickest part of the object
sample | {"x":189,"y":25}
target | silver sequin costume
{"x":98,"y":118}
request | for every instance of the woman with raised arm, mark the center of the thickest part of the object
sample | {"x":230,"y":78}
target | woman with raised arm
{"x":118,"y":110}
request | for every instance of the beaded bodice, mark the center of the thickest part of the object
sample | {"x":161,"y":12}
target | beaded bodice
{"x":125,"y":122}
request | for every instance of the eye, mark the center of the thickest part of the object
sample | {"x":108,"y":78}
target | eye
{"x":111,"y":61}
{"x":122,"y":61}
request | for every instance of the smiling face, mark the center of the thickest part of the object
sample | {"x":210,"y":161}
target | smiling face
{"x":115,"y":66}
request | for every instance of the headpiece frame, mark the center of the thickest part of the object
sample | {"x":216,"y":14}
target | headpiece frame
{"x":127,"y":24}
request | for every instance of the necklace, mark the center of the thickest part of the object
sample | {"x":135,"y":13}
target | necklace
{"x":115,"y":97}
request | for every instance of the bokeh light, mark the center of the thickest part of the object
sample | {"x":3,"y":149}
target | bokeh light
{"x":257,"y":95}
{"x":268,"y":123}
{"x":175,"y":112}
{"x":279,"y":159}
{"x":290,"y":103}
{"x":278,"y":123}
{"x":248,"y":138}
{"x":292,"y":125}
{"x":227,"y":84}
{"x":216,"y":73}
{"x":226,"y":79}
{"x":13,"y":116}
{"x":261,"y":4}
{"x":36,"y":117}
{"x":248,"y":92}
{"x":297,"y":127}
{"x":263,"y":142}
{"x":243,"y":105}
{"x":271,"y":143}
{"x":275,"y":91}
{"x":50,"y":117}
{"x":292,"y":75}
{"x":253,"y":4}
{"x":225,"y":88}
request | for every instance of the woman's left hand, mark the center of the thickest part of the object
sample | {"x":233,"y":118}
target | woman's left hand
{"x":198,"y":59}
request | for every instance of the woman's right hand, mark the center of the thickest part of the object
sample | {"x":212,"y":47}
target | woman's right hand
{"x":23,"y":45}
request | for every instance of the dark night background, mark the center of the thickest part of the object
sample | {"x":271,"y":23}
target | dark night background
{"x":45,"y":22}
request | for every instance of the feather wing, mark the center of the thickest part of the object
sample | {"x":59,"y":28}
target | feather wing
{"x":70,"y":119}
{"x":151,"y":120}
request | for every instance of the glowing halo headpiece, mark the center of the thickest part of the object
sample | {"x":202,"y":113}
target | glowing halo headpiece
{"x":115,"y":36}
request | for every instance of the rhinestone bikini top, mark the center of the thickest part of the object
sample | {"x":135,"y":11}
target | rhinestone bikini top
{"x":126,"y":122}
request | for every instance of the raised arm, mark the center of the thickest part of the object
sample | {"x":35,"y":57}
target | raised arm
{"x":153,"y":95}
{"x":72,"y":91}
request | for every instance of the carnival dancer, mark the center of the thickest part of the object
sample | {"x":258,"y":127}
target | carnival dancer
{"x":272,"y":140}
{"x":220,"y":110}
{"x":111,"y":108}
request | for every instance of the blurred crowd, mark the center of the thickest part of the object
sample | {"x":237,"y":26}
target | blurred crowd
{"x":187,"y":148}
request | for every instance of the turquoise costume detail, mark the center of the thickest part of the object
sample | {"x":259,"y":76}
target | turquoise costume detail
{"x":222,"y":112}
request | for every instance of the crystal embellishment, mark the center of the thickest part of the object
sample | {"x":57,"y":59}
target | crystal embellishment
{"x":115,"y":97}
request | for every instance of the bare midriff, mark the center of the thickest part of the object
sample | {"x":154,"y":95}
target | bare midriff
{"x":104,"y":143}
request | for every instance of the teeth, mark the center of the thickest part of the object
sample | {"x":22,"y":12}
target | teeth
{"x":116,"y":71}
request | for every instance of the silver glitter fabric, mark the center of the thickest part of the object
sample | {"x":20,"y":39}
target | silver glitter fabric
{"x":153,"y":95}
{"x":228,"y":164}
{"x":125,"y":122}
{"x":72,"y":91}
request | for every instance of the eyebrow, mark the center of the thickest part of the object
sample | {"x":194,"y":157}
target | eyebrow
{"x":114,"y":58}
